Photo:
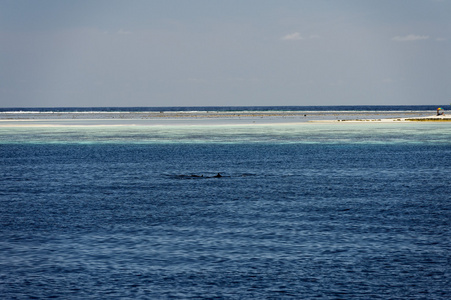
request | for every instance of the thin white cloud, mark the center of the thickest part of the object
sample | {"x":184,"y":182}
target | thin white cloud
{"x":122,"y":31}
{"x":440,"y":39}
{"x":295,"y":36}
{"x":410,"y":38}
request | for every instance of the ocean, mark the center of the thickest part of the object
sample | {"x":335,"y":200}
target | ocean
{"x":228,"y":108}
{"x":298,"y":211}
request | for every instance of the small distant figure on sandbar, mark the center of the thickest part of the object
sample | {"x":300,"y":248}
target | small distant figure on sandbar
{"x":440,"y":112}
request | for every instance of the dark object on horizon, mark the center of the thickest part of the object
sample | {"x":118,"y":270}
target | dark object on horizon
{"x":217,"y":176}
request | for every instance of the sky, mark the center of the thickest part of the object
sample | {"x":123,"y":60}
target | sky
{"x":95,"y":53}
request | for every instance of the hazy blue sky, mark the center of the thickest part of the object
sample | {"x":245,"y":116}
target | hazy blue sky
{"x":229,"y":52}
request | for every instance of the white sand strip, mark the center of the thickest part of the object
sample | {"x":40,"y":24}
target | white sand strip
{"x":208,"y":119}
{"x":392,"y":120}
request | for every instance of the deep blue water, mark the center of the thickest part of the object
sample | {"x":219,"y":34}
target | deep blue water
{"x":366,"y":218}
{"x":233,"y":108}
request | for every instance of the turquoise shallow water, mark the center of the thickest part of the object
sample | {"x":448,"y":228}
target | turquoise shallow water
{"x":436,"y":133}
{"x":334,"y":211}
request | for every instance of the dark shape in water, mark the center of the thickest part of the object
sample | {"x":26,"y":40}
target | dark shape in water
{"x":196,"y":176}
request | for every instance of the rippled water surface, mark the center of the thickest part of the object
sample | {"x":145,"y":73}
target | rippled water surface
{"x":312,"y":211}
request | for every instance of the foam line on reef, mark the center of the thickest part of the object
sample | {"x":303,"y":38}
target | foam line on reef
{"x":189,"y":118}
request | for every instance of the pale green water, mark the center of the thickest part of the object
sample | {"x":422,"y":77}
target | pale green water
{"x":389,"y":133}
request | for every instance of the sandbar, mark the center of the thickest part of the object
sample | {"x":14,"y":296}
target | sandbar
{"x":49,"y":119}
{"x":441,"y":118}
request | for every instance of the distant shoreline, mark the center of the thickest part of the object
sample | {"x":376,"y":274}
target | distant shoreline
{"x":212,"y":115}
{"x":44,"y":119}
